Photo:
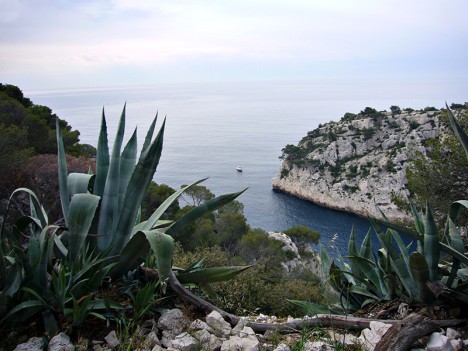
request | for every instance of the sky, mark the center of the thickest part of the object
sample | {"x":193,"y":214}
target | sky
{"x":48,"y":44}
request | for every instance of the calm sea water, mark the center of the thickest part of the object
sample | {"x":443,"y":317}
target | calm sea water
{"x":214,"y":127}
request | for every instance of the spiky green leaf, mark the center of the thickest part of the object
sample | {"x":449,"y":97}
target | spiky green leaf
{"x":136,"y":190}
{"x":102,"y":159}
{"x":201,"y":210}
{"x":458,"y":131}
{"x":127,"y":165}
{"x":79,"y":183}
{"x":154,"y":218}
{"x":431,"y":244}
{"x":211,"y":275}
{"x":109,"y":211}
{"x":82,"y":210}
{"x":62,"y":173}
{"x":137,"y":248}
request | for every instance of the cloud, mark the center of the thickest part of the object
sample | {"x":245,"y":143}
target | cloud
{"x":146,"y":35}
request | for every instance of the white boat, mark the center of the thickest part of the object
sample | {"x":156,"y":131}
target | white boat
{"x":239,"y":169}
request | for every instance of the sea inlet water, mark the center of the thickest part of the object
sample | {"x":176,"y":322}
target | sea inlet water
{"x":214,"y":127}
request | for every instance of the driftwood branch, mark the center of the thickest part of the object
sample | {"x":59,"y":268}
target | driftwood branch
{"x":322,"y":320}
{"x":402,"y":335}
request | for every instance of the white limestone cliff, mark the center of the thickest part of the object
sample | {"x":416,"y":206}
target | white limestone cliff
{"x":358,"y":165}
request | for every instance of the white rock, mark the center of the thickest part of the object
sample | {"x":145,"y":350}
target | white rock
{"x":157,"y":348}
{"x":247,"y":332}
{"x":60,"y":342}
{"x":151,"y":340}
{"x":282,"y":347}
{"x":238,"y":343}
{"x":317,"y":346}
{"x":457,"y":344}
{"x":185,"y":342}
{"x":453,"y":334}
{"x":221,"y":328}
{"x":173,"y":320}
{"x":208,"y":342}
{"x":112,"y":340}
{"x":198,"y":324}
{"x":370,"y":337}
{"x":438,"y":342}
{"x":33,"y":344}
{"x":172,"y":323}
{"x":239,"y":326}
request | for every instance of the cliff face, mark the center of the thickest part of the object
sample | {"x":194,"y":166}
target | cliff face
{"x":358,"y":164}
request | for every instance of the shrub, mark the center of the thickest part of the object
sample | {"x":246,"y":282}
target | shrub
{"x":368,"y":133}
{"x":303,"y":234}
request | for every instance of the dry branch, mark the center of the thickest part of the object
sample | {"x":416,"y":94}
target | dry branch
{"x":322,"y":320}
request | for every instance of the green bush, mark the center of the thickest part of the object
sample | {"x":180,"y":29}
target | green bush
{"x":264,"y":289}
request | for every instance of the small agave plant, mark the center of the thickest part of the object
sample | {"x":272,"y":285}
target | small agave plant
{"x":103,"y":234}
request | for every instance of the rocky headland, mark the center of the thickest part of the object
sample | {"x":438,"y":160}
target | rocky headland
{"x":358,"y":164}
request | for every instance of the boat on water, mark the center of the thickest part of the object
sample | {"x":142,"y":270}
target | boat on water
{"x":239,"y":169}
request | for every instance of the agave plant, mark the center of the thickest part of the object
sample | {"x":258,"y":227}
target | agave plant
{"x":103,"y":234}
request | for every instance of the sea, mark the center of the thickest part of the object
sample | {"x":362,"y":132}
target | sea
{"x":211,"y":128}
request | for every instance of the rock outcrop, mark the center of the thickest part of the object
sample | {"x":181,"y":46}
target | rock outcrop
{"x":358,"y":164}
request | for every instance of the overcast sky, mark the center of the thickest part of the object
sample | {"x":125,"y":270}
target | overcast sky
{"x":84,"y":43}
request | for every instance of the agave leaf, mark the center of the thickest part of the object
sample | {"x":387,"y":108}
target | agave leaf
{"x":50,"y":323}
{"x":89,"y":269}
{"x":82,"y":210}
{"x":149,"y":224}
{"x":456,"y":240}
{"x":102,"y":159}
{"x":46,"y":243}
{"x":463,"y":274}
{"x":431,"y":244}
{"x":453,"y":273}
{"x":13,"y":278}
{"x":420,"y":271}
{"x":40,"y":214}
{"x":211,"y":275}
{"x":456,"y":208}
{"x":336,"y":277}
{"x":366,"y":247}
{"x":405,"y":275}
{"x":356,"y":289}
{"x":34,"y":305}
{"x":109,"y":211}
{"x":352,"y":245}
{"x":208,"y":290}
{"x":79,"y":183}
{"x":462,"y":137}
{"x":418,"y":219}
{"x":201,"y":210}
{"x":136,"y":190}
{"x":62,"y":173}
{"x":149,"y":135}
{"x":310,"y":308}
{"x":325,"y":261}
{"x":127,"y":165}
{"x":370,"y":272}
{"x":401,"y":245}
{"x":195,"y":265}
{"x":138,"y":246}
{"x":415,"y":235}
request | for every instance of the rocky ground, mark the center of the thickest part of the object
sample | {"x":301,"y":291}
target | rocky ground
{"x":176,"y":332}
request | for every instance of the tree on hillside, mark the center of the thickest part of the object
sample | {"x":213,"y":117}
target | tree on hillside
{"x":439,"y":175}
{"x":196,"y":195}
{"x":303,"y":235}
{"x":155,"y":196}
